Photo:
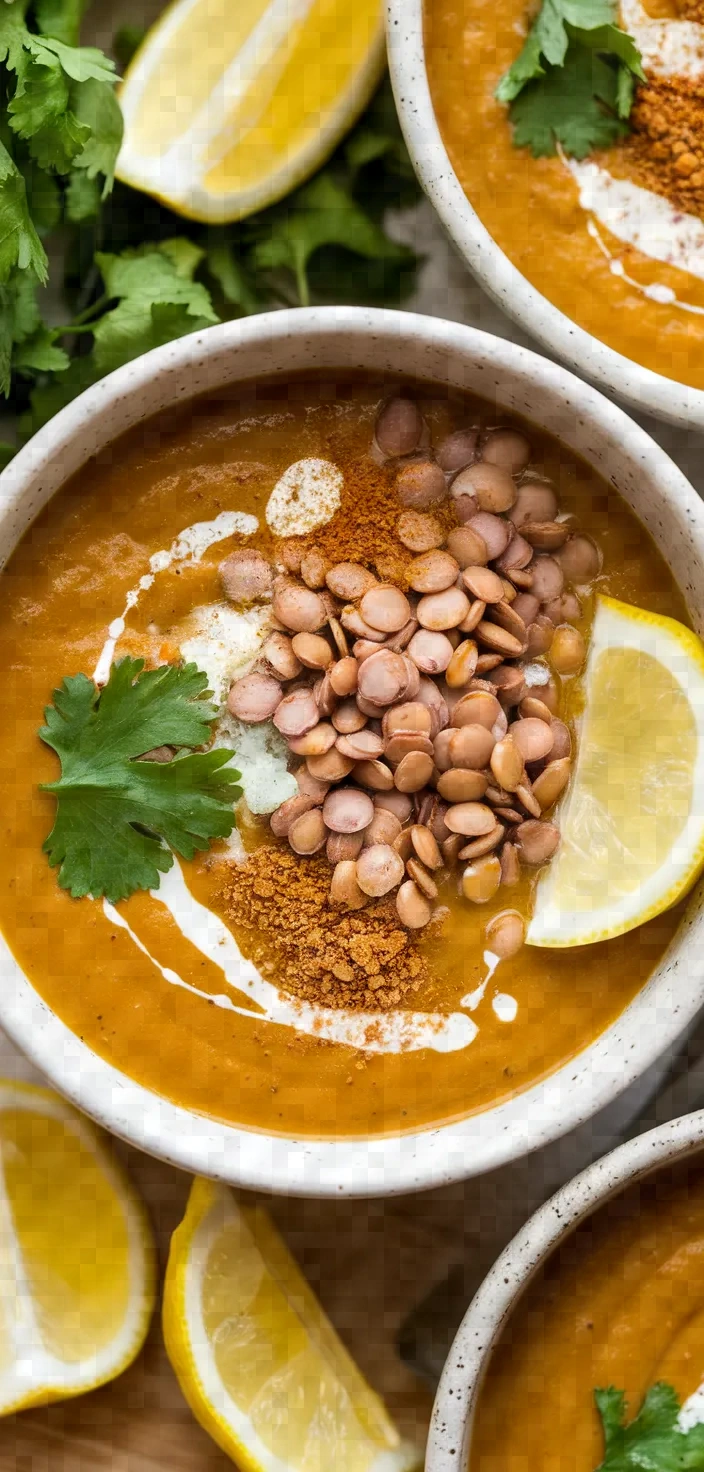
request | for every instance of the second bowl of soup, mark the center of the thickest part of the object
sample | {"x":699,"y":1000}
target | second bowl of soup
{"x":590,"y":1326}
{"x":596,"y":248}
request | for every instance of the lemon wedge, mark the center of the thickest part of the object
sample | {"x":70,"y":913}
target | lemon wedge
{"x":258,"y":1361}
{"x":229,"y":104}
{"x":632,"y":822}
{"x":77,"y":1267}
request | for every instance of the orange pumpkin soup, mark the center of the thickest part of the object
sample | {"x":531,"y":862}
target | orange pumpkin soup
{"x":555,"y":217}
{"x":142,"y":982}
{"x":620,"y":1304}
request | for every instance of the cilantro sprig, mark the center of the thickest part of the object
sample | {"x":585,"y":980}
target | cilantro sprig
{"x":136,"y":275}
{"x":574,"y":80}
{"x":652,"y":1441}
{"x":118,"y":818}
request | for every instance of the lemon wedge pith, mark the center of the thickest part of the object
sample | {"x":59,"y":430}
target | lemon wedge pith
{"x":632,"y":822}
{"x":77,"y":1285}
{"x":258,"y":1361}
{"x":228,"y":106}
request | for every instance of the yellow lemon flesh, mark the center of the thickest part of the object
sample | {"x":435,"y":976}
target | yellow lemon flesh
{"x":77,"y":1268}
{"x":632,"y":822}
{"x":258,"y":1361}
{"x":229,"y":104}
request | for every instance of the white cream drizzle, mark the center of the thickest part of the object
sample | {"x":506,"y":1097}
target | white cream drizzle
{"x":472,"y":999}
{"x":644,"y":220}
{"x":669,"y":47}
{"x":505,"y":1007}
{"x":372,"y":1032}
{"x":189,"y":546}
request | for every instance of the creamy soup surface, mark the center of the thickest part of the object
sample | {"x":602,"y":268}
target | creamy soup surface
{"x":623,"y":262}
{"x":157,"y":986}
{"x":620,"y":1304}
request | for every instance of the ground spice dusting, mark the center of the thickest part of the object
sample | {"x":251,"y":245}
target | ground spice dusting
{"x":279,"y":908}
{"x":364,"y":528}
{"x":665,"y":152}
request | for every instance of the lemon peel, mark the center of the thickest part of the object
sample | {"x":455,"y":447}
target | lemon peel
{"x":228,"y":107}
{"x":632,"y":821}
{"x":257,"y":1360}
{"x":78,"y":1280}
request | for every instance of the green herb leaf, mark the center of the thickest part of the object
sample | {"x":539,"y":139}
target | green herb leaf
{"x":237,"y":284}
{"x":114,"y":812}
{"x":20,"y":245}
{"x":82,"y":197}
{"x":557,"y":23}
{"x":325,"y":214}
{"x":40,"y":354}
{"x":158,"y":300}
{"x":43,"y":194}
{"x":60,"y":19}
{"x":576,"y":104}
{"x":582,"y":39}
{"x":13,"y":33}
{"x":96,"y":108}
{"x":59,"y":389}
{"x":652,"y":1441}
{"x":80,"y":63}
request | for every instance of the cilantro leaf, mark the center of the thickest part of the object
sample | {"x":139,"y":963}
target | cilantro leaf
{"x":557,"y":23}
{"x":574,"y":49}
{"x":43,"y":194}
{"x":19,"y":243}
{"x":40,"y":354}
{"x":325,"y":214}
{"x":235,"y":281}
{"x":82,"y":197}
{"x":157,"y":301}
{"x":114,"y":812}
{"x":575,"y":104}
{"x":653,"y":1441}
{"x":96,"y":108}
{"x":13,"y":33}
{"x":60,"y":18}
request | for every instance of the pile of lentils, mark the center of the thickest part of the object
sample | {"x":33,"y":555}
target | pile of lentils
{"x":428,"y":731}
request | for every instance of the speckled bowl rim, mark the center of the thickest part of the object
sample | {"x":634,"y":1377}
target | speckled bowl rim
{"x":635,"y":385}
{"x":450,"y":1438}
{"x":397,"y":343}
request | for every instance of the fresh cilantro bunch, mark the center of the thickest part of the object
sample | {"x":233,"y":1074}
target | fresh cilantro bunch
{"x":136,"y":275}
{"x":60,"y":135}
{"x":118,"y":818}
{"x":653,"y":1441}
{"x":574,"y":80}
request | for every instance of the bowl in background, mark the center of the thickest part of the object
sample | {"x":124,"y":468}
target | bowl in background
{"x":450,"y":1437}
{"x":614,"y":373}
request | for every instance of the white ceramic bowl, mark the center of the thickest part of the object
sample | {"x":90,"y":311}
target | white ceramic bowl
{"x":395,"y":343}
{"x":638,"y":386}
{"x":458,"y":1393}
